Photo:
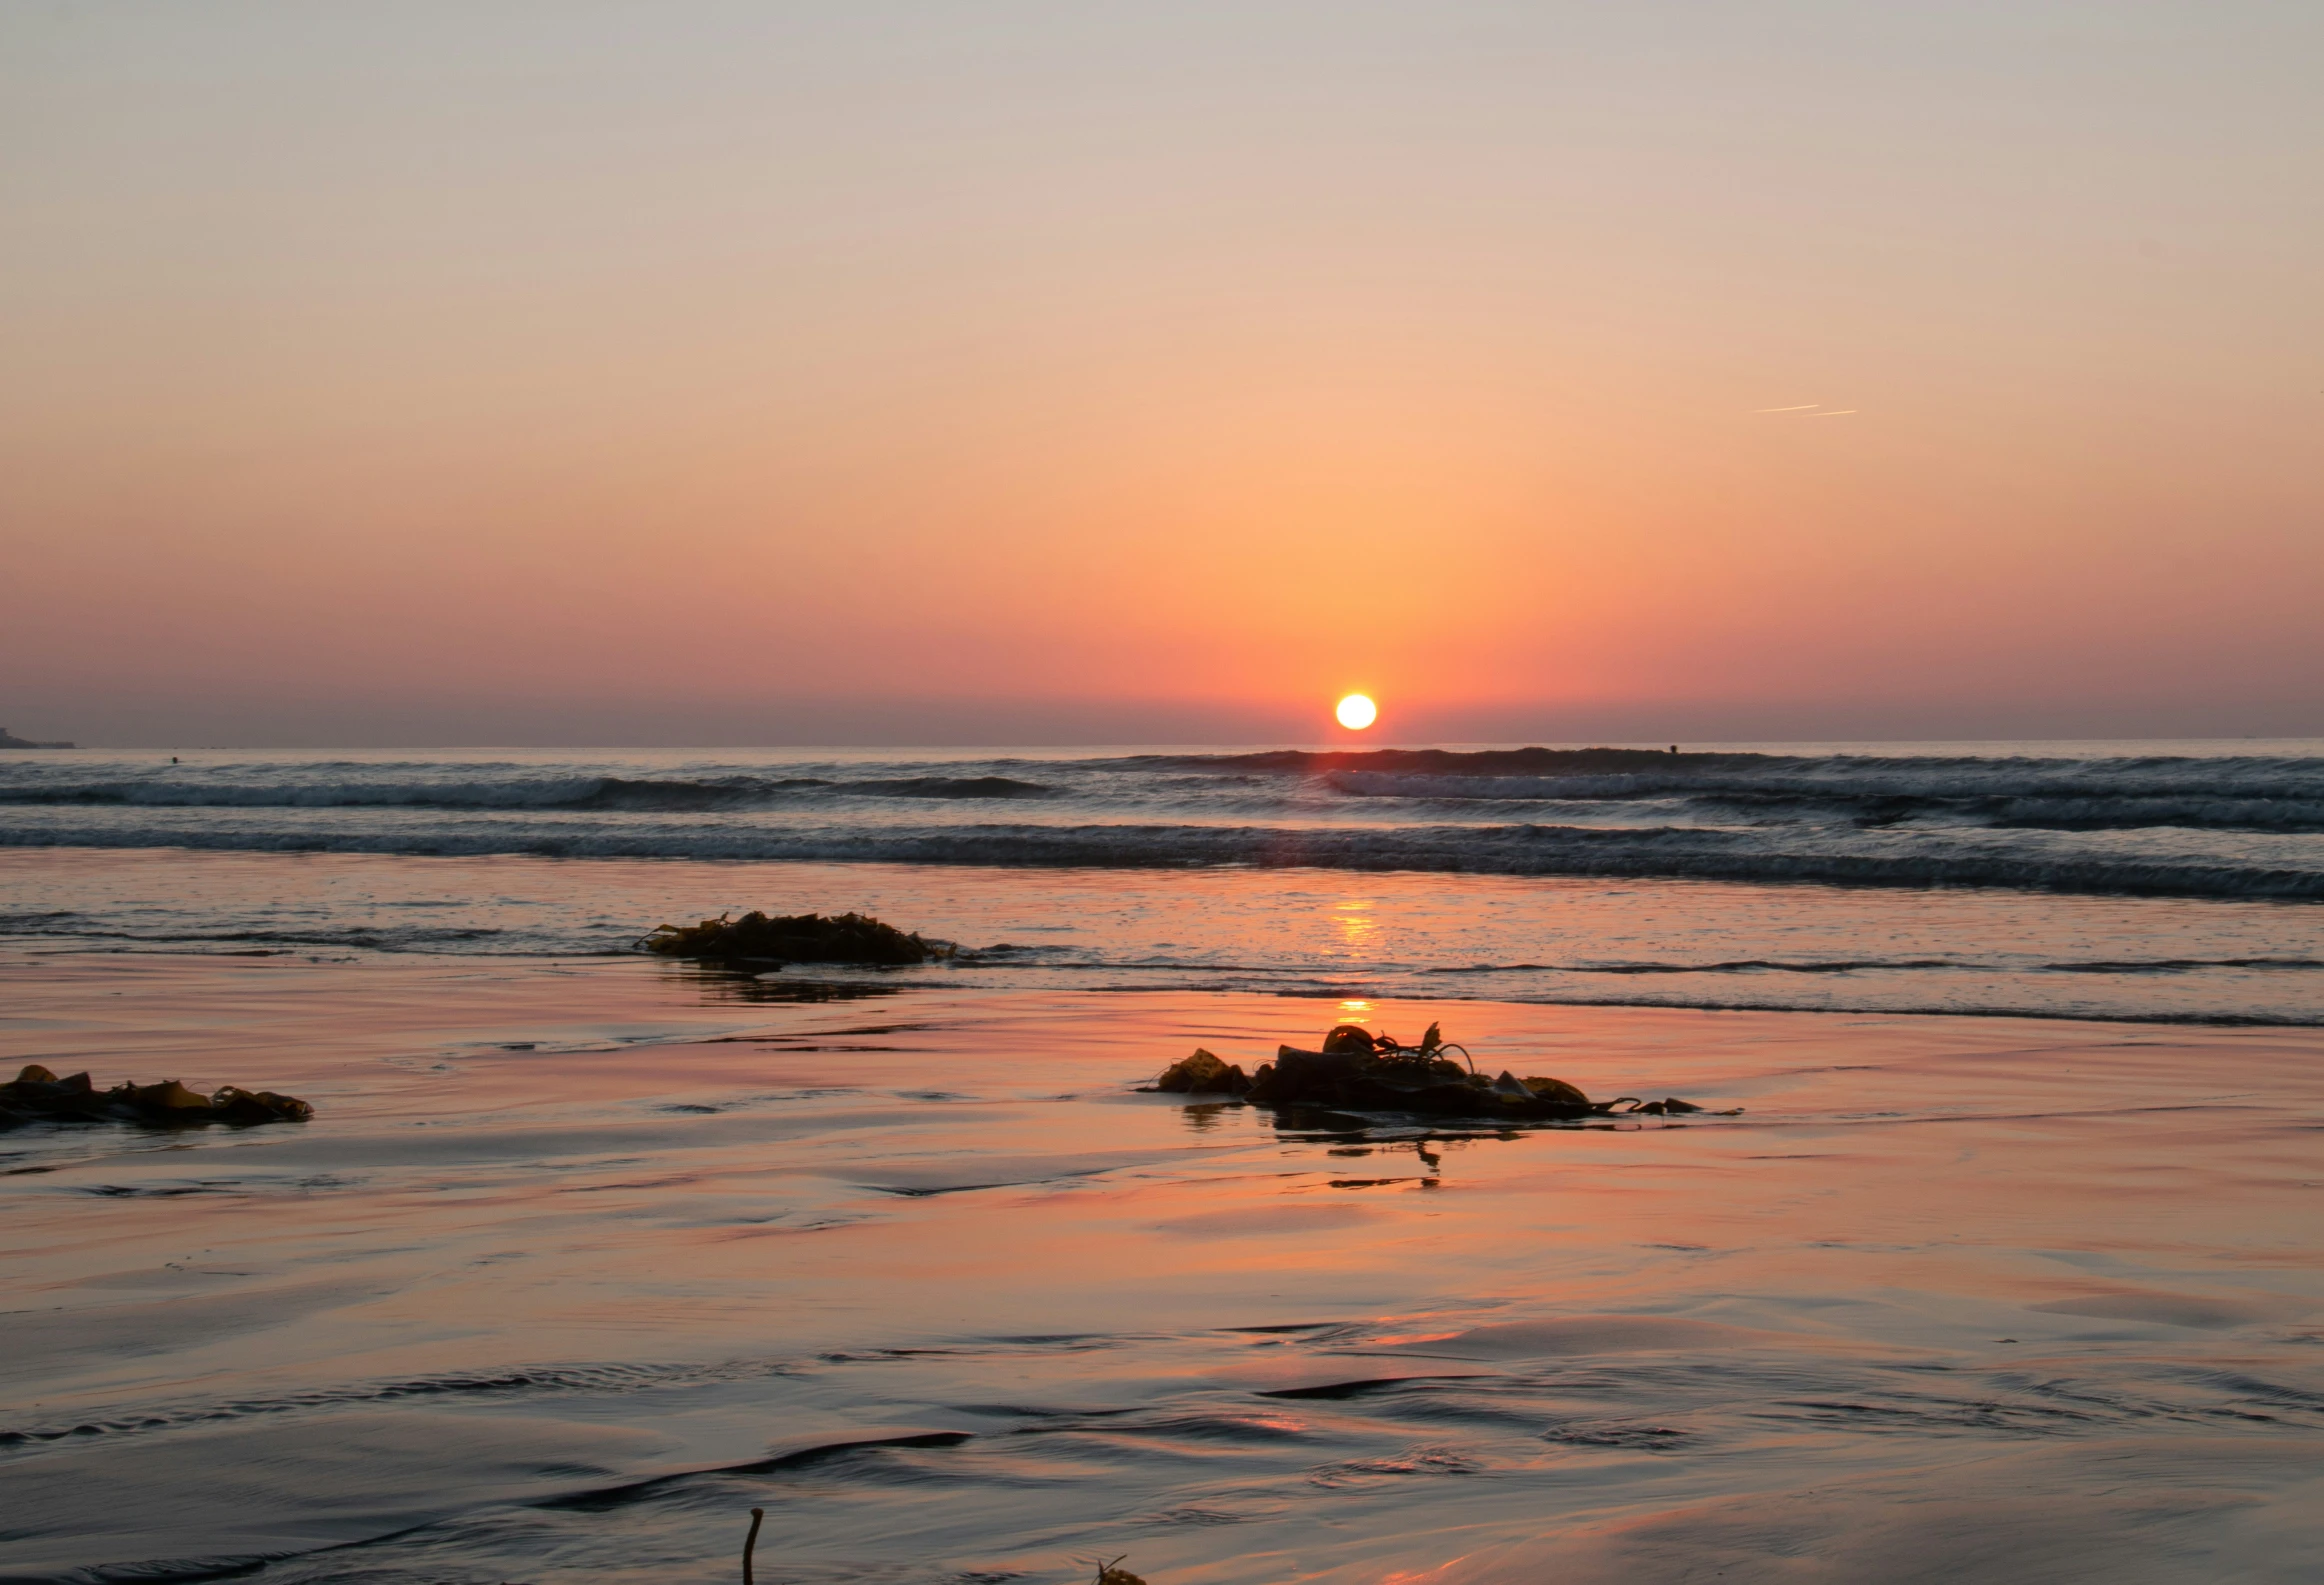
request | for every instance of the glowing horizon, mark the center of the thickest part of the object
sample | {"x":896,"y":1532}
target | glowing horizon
{"x":730,"y":373}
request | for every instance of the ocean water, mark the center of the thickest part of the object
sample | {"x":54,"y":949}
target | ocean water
{"x":585,"y":1254}
{"x":2175,"y":881}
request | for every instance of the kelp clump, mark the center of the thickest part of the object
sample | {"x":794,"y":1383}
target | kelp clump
{"x":796,"y":938}
{"x":1203,"y":1074}
{"x":1358,"y":1070}
{"x":36,"y":1094}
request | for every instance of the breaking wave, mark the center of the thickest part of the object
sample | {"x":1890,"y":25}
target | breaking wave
{"x":640,"y":795}
{"x":1929,"y":860}
{"x":2242,"y":826}
{"x":2259,"y":794}
{"x":2122,"y":795}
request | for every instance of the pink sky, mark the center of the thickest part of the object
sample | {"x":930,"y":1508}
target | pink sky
{"x":1047,"y":373}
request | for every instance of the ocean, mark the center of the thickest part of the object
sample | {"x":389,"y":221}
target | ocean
{"x":2142,"y":880}
{"x":1996,"y":1254}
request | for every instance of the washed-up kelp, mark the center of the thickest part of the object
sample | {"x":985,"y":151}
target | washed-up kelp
{"x":1359,"y":1071}
{"x":795,"y":938}
{"x":37,"y":1094}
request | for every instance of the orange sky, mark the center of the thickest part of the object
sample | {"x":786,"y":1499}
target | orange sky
{"x":1046,"y":373}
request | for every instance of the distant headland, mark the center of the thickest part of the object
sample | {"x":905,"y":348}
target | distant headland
{"x":9,"y":740}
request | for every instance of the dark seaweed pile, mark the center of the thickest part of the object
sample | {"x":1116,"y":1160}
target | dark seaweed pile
{"x":37,"y":1095}
{"x":796,"y":938}
{"x":1360,"y":1071}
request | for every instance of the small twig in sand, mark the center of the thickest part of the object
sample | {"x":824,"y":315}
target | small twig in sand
{"x":750,"y":1541}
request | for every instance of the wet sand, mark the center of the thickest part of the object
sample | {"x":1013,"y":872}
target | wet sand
{"x":580,"y":1261}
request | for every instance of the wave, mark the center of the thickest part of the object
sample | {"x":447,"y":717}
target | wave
{"x":2290,"y":804}
{"x":1730,"y":966}
{"x":577,"y":793}
{"x":352,"y":937}
{"x":2001,"y":1007}
{"x":1068,"y":960}
{"x":1872,"y":965}
{"x":1645,"y":853}
{"x":1645,"y":771}
{"x":1470,"y":762}
{"x":2257,"y":794}
{"x":744,"y":791}
{"x":527,"y":1381}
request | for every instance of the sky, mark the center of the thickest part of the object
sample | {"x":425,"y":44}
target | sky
{"x":933,"y":372}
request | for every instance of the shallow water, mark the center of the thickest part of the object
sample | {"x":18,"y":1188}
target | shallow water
{"x":582,"y":1260}
{"x":2160,"y":881}
{"x":1301,"y":932}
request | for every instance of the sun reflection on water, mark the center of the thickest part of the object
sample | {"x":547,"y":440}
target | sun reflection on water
{"x":1357,"y":927}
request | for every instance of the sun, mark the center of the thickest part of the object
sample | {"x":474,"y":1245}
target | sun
{"x":1356,"y":712}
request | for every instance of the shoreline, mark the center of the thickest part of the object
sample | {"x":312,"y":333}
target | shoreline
{"x":847,"y":981}
{"x":1468,"y":939}
{"x":1450,"y":852}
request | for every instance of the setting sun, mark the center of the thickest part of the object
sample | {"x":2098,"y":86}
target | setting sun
{"x":1356,"y":712}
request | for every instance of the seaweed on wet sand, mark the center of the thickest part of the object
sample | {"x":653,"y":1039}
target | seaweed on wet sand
{"x":795,"y":938}
{"x":36,"y":1094}
{"x":1359,"y":1070}
{"x":1203,"y":1074}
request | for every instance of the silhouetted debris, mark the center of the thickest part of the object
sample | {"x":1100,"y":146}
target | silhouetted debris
{"x":1114,"y":1574}
{"x":1358,"y":1070}
{"x":750,"y":1544}
{"x":37,"y":1094}
{"x":795,"y":938}
{"x":1203,"y":1074}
